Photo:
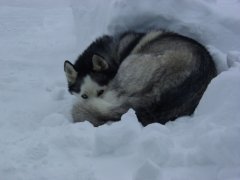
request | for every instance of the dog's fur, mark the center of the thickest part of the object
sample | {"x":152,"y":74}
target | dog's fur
{"x":99,"y":63}
{"x":163,"y":77}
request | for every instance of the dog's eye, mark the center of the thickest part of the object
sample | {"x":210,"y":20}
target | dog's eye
{"x":84,"y":96}
{"x":99,"y":93}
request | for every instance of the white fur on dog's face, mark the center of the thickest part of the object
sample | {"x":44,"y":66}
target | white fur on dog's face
{"x":89,"y":88}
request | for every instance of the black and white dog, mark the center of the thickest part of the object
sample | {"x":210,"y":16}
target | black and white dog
{"x":160,"y":75}
{"x":99,"y":63}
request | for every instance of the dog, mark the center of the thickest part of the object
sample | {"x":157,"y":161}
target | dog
{"x":99,"y":63}
{"x":163,"y":77}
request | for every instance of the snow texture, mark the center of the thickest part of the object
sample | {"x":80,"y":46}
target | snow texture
{"x":38,"y":141}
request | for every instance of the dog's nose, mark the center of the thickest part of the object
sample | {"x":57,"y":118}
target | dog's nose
{"x":100,"y":92}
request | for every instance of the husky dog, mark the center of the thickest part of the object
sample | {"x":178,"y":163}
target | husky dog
{"x":163,"y":77}
{"x":99,"y":63}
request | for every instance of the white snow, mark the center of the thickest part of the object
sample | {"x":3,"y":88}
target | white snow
{"x":38,"y":141}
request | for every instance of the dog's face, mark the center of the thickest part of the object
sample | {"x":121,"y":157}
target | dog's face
{"x":91,"y":81}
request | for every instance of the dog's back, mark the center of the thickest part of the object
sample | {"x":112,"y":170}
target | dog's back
{"x":170,"y":78}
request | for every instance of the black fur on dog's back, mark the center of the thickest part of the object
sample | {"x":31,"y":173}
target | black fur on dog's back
{"x":107,"y":47}
{"x":181,"y":100}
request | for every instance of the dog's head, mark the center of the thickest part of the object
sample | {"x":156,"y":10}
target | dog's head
{"x":87,"y":79}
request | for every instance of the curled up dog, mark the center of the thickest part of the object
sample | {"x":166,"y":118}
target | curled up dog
{"x":162,"y":76}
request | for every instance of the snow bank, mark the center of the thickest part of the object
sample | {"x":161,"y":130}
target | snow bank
{"x":38,"y":140}
{"x":213,"y":22}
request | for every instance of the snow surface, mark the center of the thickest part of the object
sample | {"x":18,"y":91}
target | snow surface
{"x":38,"y":140}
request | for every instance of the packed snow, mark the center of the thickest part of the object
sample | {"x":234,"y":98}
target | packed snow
{"x":38,"y":140}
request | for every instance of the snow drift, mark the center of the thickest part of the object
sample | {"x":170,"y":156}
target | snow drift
{"x":37,"y":138}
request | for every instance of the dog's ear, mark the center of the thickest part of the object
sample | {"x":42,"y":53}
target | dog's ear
{"x":70,"y":72}
{"x":99,"y":63}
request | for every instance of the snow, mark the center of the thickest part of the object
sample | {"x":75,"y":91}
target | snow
{"x":38,"y":141}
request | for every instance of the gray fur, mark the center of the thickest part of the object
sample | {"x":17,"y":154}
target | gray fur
{"x":162,"y":78}
{"x":100,"y":61}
